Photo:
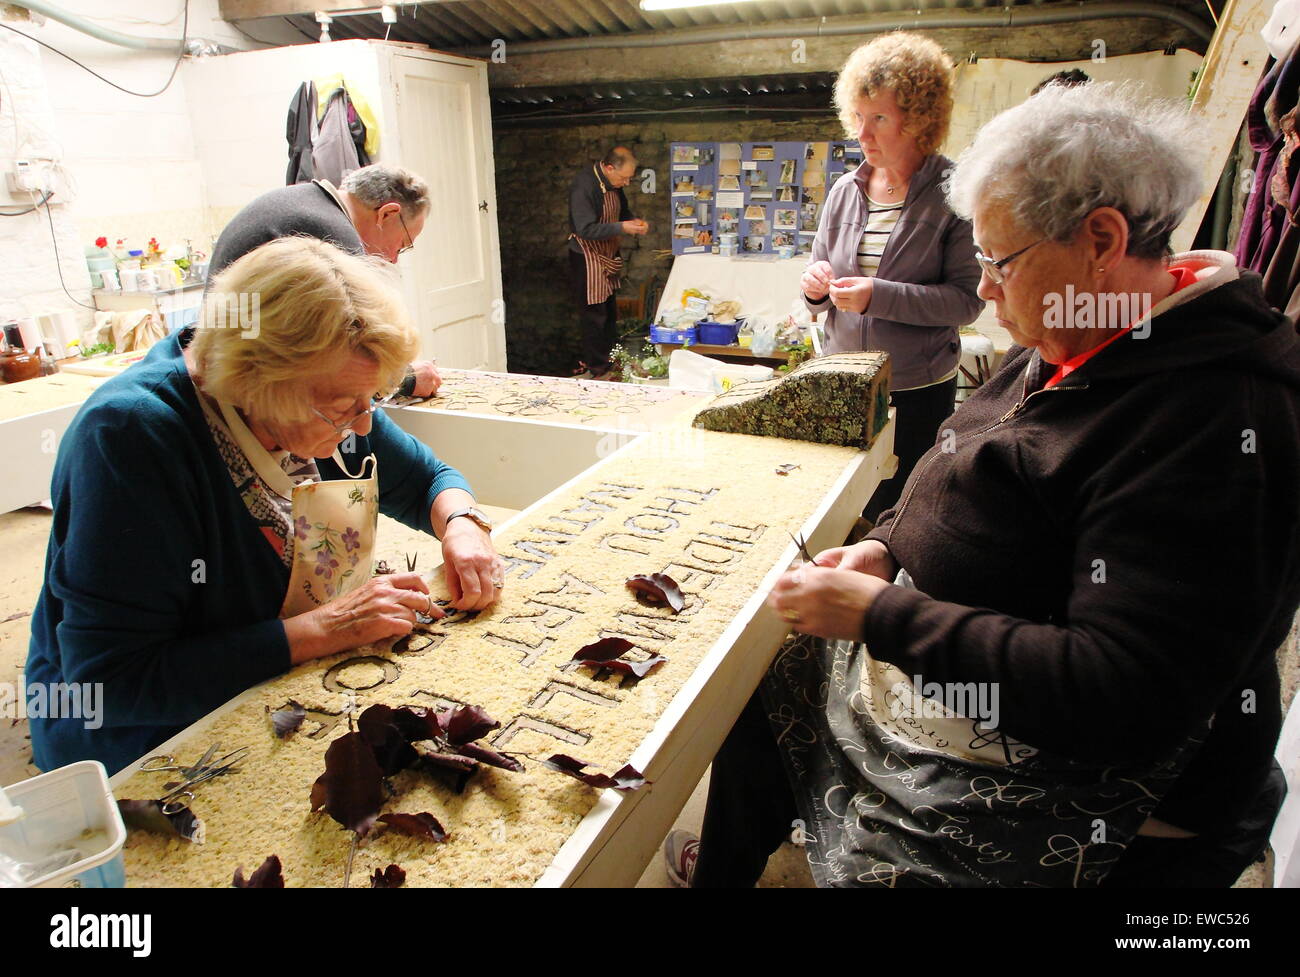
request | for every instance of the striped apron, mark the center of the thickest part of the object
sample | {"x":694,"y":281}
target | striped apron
{"x":604,"y":266}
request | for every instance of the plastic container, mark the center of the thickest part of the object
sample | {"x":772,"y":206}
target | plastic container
{"x":68,"y":808}
{"x":717,"y":333}
{"x":664,"y":334}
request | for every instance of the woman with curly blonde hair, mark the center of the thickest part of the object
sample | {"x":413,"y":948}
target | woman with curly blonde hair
{"x":892,"y":266}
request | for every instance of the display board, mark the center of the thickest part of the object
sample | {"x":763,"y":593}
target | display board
{"x":768,"y":194}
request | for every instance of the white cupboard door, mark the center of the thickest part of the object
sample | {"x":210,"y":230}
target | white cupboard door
{"x":452,"y":276}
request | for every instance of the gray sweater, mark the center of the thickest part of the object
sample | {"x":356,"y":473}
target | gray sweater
{"x":304,"y":210}
{"x":925,"y":287}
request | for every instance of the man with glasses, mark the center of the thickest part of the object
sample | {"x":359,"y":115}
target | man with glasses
{"x":378,"y":209}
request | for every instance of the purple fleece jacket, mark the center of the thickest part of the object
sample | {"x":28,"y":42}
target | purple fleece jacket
{"x":925,"y":287}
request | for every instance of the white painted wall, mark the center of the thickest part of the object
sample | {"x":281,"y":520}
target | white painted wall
{"x":131,"y":162}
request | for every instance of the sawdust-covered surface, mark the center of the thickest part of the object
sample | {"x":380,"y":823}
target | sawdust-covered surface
{"x":594,"y":403}
{"x":708,"y":509}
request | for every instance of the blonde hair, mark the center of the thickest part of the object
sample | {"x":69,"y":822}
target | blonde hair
{"x":918,"y":74}
{"x":290,"y":312}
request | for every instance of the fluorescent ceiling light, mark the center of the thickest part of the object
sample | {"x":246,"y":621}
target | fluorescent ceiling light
{"x":677,"y":4}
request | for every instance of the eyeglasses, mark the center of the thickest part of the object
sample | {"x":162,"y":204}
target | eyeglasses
{"x":994,"y":268}
{"x":344,"y":427}
{"x":410,"y":241}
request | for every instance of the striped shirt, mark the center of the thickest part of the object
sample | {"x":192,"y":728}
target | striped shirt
{"x":881,"y":219}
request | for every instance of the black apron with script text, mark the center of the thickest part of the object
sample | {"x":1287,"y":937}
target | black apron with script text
{"x":898,"y":790}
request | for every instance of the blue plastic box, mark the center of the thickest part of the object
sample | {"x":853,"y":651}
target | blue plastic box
{"x":661,"y":334}
{"x":717,"y":333}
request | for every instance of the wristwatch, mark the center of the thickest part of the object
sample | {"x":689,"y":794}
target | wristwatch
{"x":481,"y":520}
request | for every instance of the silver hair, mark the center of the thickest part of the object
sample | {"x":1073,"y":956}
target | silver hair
{"x":1053,"y":159}
{"x":379,"y":184}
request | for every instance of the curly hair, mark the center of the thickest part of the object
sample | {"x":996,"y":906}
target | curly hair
{"x":918,"y":74}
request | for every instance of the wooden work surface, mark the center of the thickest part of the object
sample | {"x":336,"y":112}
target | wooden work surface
{"x":741,"y":354}
{"x":44,"y":393}
{"x":707,"y":508}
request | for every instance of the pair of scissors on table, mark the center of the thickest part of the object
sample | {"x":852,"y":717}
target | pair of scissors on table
{"x":180,"y":793}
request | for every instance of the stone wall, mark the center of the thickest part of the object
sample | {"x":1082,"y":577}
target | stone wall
{"x":534,"y":167}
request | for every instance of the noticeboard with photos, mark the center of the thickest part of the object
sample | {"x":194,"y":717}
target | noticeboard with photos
{"x":768,"y":194}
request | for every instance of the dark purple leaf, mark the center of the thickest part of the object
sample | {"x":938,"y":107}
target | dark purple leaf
{"x":490,"y":757}
{"x":286,"y":720}
{"x":657,"y":589}
{"x":149,"y":816}
{"x":603,"y":650}
{"x":450,"y":768}
{"x":464,"y":724}
{"x":379,"y":727}
{"x":416,"y":825}
{"x":625,"y":667}
{"x":418,"y":723}
{"x":351,"y":790}
{"x":390,"y":878}
{"x":268,"y":876}
{"x":628,"y":778}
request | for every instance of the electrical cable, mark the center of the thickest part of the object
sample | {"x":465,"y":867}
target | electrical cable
{"x":170,"y":78}
{"x":35,"y":206}
{"x":58,"y":261}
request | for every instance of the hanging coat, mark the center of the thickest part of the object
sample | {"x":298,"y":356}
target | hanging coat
{"x":340,"y":142}
{"x":300,"y":131}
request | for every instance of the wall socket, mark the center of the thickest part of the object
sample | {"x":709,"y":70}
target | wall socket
{"x":27,"y":176}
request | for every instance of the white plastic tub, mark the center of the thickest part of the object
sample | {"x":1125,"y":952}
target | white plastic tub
{"x":68,"y":808}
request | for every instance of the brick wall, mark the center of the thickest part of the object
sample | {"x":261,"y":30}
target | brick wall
{"x":533,"y":170}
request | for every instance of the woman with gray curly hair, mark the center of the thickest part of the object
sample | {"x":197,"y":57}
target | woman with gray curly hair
{"x":892,"y":267}
{"x":1053,"y":663}
{"x":215,"y":505}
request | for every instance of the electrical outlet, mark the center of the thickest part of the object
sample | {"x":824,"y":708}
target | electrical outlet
{"x":25,"y":176}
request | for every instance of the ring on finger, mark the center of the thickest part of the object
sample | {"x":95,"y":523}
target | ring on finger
{"x":429,"y":610}
{"x":790,"y":616}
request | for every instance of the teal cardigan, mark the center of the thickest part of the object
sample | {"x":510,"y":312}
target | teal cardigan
{"x":158,"y":584}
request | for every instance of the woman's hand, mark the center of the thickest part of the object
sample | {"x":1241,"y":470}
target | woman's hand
{"x":824,"y":601}
{"x":869,"y":556}
{"x":473,"y":570}
{"x":816,"y":280}
{"x":851,"y":294}
{"x":384,"y":607}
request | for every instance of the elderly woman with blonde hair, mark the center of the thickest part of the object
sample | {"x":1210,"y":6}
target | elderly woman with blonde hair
{"x":1053,"y":664}
{"x":215,"y":505}
{"x":892,"y":266}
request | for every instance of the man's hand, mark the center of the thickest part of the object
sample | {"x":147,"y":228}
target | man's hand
{"x":427,"y":378}
{"x":816,"y":280}
{"x":474,"y":572}
{"x":851,"y":294}
{"x":636,"y":226}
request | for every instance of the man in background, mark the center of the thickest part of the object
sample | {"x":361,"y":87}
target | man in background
{"x":598,"y":217}
{"x":378,"y":210}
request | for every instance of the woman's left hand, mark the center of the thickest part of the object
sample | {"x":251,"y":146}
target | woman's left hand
{"x":824,"y":601}
{"x":851,"y":294}
{"x":474,"y":572}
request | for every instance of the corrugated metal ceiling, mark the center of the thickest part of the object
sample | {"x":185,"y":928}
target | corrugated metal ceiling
{"x":475,"y":23}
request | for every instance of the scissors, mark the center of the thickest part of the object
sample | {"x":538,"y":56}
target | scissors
{"x":799,"y":542}
{"x":180,"y":793}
